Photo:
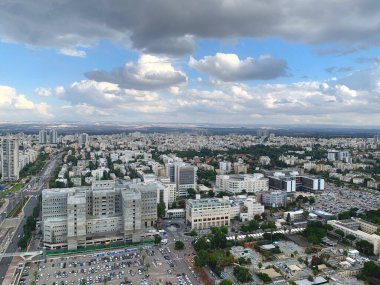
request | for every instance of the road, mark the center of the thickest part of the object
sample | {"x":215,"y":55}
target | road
{"x":28,"y":209}
{"x":178,"y":255}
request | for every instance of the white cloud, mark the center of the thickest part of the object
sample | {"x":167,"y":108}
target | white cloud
{"x":14,"y":106}
{"x":43,"y":92}
{"x":228,"y":67}
{"x":149,"y":72}
{"x":73,"y":52}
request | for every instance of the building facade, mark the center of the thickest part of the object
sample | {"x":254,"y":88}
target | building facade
{"x":206,"y":213}
{"x":10,"y":159}
{"x":239,"y":182}
{"x":360,"y":229}
{"x":107,"y":211}
{"x":274,"y":199}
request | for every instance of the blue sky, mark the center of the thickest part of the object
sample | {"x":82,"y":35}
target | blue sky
{"x":245,"y":62}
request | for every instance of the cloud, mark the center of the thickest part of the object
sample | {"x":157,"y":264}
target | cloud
{"x":171,"y":27}
{"x":148,"y":73}
{"x":47,"y":92}
{"x":336,"y":69}
{"x":307,"y":102}
{"x":43,"y":92}
{"x":14,"y":106}
{"x":111,"y":98}
{"x":228,"y":67}
{"x":72,"y":52}
{"x":340,"y":51}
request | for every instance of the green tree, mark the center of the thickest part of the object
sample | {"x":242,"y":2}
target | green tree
{"x":179,"y":245}
{"x":288,"y":219}
{"x":161,"y":210}
{"x":191,"y":192}
{"x":226,"y":282}
{"x":157,"y":239}
{"x":365,"y":247}
{"x":242,"y":274}
{"x":264,"y":277}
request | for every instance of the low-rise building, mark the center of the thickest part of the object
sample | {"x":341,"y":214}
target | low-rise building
{"x":205,"y":213}
{"x":239,"y":183}
{"x":360,"y":229}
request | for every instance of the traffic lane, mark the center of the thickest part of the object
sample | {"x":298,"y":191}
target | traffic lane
{"x":13,"y":247}
{"x":28,"y":211}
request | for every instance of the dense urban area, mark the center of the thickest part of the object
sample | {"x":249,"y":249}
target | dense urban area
{"x":189,"y":208}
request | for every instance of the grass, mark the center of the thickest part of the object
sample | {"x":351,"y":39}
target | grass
{"x":15,"y":188}
{"x":17,"y":209}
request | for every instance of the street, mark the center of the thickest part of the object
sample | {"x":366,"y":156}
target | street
{"x":28,"y":211}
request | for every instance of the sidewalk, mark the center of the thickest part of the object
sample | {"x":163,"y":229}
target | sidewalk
{"x":12,"y":270}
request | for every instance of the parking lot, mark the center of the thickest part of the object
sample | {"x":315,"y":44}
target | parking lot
{"x":144,"y":266}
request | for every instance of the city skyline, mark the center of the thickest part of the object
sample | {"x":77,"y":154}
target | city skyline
{"x":234,"y":62}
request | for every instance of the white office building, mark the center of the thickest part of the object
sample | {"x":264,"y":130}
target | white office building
{"x":238,"y":183}
{"x":205,"y":213}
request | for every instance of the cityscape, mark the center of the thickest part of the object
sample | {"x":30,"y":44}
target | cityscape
{"x":188,"y":208}
{"x":177,"y":142}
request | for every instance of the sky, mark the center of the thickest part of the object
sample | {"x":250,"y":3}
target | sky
{"x":244,"y":62}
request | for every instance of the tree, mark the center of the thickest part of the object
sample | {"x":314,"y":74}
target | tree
{"x":264,"y":277}
{"x":83,"y":281}
{"x":161,"y":210}
{"x":371,"y":272}
{"x":193,"y":233}
{"x":339,"y":232}
{"x":179,"y":245}
{"x":312,"y":200}
{"x":211,"y":194}
{"x":257,"y":217}
{"x":260,"y":265}
{"x":365,"y":247}
{"x":242,"y":274}
{"x":226,"y":282}
{"x":288,"y":219}
{"x":191,"y":192}
{"x":157,"y":239}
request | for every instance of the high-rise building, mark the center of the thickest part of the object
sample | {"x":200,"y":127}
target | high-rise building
{"x":262,"y":132}
{"x":183,"y":175}
{"x":47,"y":137}
{"x":43,"y":137}
{"x":10,"y":159}
{"x":84,"y":139}
{"x":53,"y":137}
{"x":107,"y":211}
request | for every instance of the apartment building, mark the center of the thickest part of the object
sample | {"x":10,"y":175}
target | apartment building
{"x":107,"y":211}
{"x":10,"y":159}
{"x":238,"y":182}
{"x":205,"y":213}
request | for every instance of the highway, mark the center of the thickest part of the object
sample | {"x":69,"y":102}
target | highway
{"x":28,"y":209}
